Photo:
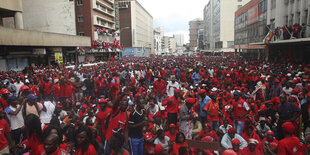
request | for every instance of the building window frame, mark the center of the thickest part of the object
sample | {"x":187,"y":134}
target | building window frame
{"x":81,"y":33}
{"x":79,"y":2}
{"x":80,"y":19}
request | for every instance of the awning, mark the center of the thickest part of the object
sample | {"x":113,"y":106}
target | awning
{"x":249,"y":46}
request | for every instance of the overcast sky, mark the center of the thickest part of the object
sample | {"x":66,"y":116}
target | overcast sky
{"x":174,"y":15}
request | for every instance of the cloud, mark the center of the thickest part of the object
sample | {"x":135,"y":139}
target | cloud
{"x":174,"y":15}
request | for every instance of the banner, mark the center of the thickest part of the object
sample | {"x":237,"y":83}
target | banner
{"x":58,"y":57}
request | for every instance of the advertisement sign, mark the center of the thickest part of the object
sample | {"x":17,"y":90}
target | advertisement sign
{"x":253,"y":15}
{"x":39,"y":51}
{"x":58,"y":57}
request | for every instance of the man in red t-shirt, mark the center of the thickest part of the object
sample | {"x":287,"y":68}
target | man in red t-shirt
{"x":171,"y":133}
{"x":290,"y":145}
{"x":212,"y":109}
{"x":172,"y":104}
{"x":240,"y":110}
{"x":5,"y":94}
{"x":159,"y":87}
{"x":100,"y":85}
{"x":252,"y":148}
{"x":5,"y":137}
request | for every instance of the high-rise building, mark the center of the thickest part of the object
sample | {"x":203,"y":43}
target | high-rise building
{"x":179,"y":38}
{"x":96,"y":19}
{"x":172,"y":44}
{"x":219,"y":23}
{"x":194,"y":27}
{"x":140,"y":32}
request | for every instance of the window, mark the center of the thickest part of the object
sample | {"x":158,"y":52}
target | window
{"x":80,"y":19}
{"x":273,"y":4}
{"x":239,"y":0}
{"x":81,"y":33}
{"x":79,"y":2}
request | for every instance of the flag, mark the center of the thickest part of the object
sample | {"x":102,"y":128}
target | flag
{"x":268,"y":37}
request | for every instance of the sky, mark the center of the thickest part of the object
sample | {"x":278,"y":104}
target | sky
{"x":174,"y":15}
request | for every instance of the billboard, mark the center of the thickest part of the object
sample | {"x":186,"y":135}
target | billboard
{"x":137,"y":51}
{"x":253,"y":15}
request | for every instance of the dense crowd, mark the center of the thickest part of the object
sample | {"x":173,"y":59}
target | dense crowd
{"x":157,"y":105}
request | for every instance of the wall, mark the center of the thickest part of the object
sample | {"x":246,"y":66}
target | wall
{"x":57,"y":16}
{"x":13,"y":5}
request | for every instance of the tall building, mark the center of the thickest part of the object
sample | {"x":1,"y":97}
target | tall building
{"x":23,"y":45}
{"x":172,"y":44}
{"x":194,"y":27}
{"x":157,"y":42}
{"x":96,"y":19}
{"x":165,"y":44}
{"x":179,"y":39}
{"x":219,"y":23}
{"x":140,"y":32}
{"x":250,"y":26}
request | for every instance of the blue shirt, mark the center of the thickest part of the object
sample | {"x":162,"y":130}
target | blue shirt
{"x":196,"y":77}
{"x":203,"y":104}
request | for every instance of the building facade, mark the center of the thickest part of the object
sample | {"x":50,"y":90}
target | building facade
{"x":179,"y":38}
{"x":194,"y":26}
{"x":140,"y":23}
{"x":157,"y":42}
{"x":20,"y":48}
{"x":172,"y":45}
{"x":57,"y":16}
{"x":219,"y":24}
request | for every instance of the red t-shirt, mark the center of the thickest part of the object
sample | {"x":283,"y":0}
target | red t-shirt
{"x":161,"y":115}
{"x":56,"y":89}
{"x":47,"y":86}
{"x":289,"y":146}
{"x":117,"y":117}
{"x":247,"y":151}
{"x":172,"y":136}
{"x":173,"y":106}
{"x":100,"y":83}
{"x":177,"y":146}
{"x":90,"y":151}
{"x":148,"y":74}
{"x":3,"y":102}
{"x":213,"y":108}
{"x":101,"y":117}
{"x":273,"y":144}
{"x":212,"y":134}
{"x":239,"y":109}
{"x":4,"y":128}
{"x":159,"y":86}
{"x":183,"y":77}
{"x":246,"y":137}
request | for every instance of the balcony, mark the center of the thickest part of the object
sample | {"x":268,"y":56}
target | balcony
{"x":104,"y":11}
{"x":108,"y":6}
{"x":103,"y":22}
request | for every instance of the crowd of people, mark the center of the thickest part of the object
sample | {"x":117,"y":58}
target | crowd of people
{"x":156,"y":105}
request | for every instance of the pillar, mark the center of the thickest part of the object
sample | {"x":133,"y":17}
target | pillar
{"x":18,"y":17}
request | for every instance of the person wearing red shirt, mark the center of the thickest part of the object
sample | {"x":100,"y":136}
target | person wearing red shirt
{"x":100,"y":84}
{"x":240,"y":110}
{"x":47,"y":87}
{"x":171,"y":133}
{"x":159,"y":87}
{"x":148,"y":76}
{"x":51,"y":146}
{"x":250,"y":134}
{"x":212,"y":109}
{"x":207,"y":131}
{"x":5,"y":137}
{"x":83,"y":140}
{"x":270,"y":143}
{"x":252,"y":148}
{"x":179,"y":142}
{"x":117,"y":119}
{"x":101,"y":116}
{"x":5,"y":94}
{"x":56,"y":89}
{"x":183,"y":77}
{"x":290,"y":145}
{"x":172,"y":104}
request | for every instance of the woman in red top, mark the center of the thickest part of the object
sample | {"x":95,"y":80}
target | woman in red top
{"x":84,"y":141}
{"x":270,"y":144}
{"x":34,"y":134}
{"x":179,"y":142}
{"x":207,"y":131}
{"x":116,"y":143}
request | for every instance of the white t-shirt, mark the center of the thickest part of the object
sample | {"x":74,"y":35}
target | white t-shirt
{"x":16,"y":121}
{"x":223,"y":129}
{"x":47,"y":116}
{"x":17,"y":86}
{"x":164,"y":145}
{"x":171,"y":86}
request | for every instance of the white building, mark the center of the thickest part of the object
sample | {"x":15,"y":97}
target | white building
{"x":179,"y":39}
{"x":157,"y":42}
{"x":172,"y":45}
{"x":57,"y":16}
{"x":288,"y":12}
{"x":140,"y":23}
{"x":219,"y":22}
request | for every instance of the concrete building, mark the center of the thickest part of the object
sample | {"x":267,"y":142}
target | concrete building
{"x":20,"y":48}
{"x":194,"y":26}
{"x":96,"y":19}
{"x":57,"y":16}
{"x":172,"y":44}
{"x":165,"y":44}
{"x":179,"y":39}
{"x":219,"y":24}
{"x":140,"y":22}
{"x":157,"y":42}
{"x":250,"y":27}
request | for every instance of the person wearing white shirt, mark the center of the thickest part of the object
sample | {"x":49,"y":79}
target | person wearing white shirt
{"x":231,"y":134}
{"x":17,"y":85}
{"x":47,"y":112}
{"x":15,"y":115}
{"x":172,"y":85}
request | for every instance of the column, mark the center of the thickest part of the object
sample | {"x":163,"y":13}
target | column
{"x":18,"y":17}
